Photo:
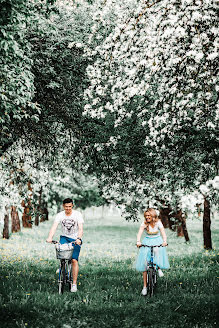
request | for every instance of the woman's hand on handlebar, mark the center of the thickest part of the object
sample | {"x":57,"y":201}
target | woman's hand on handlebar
{"x":164,"y":243}
{"x":138,"y":244}
{"x":49,"y":240}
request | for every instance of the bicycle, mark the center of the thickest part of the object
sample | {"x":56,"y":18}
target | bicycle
{"x":64,"y":254}
{"x":151,"y":270}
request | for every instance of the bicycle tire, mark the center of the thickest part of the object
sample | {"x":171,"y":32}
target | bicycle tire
{"x":61,"y":281}
{"x":69,"y":274}
{"x":150,"y":281}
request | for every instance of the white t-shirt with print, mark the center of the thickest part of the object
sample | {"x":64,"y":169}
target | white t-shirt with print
{"x":153,"y":230}
{"x":69,"y":223}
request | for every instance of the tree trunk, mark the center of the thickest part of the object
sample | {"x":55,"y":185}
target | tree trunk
{"x":15,"y":221}
{"x":181,"y":226}
{"x":174,"y":221}
{"x":199,"y":209}
{"x":38,"y":208}
{"x":45,"y":213}
{"x":207,"y":225}
{"x":6,"y":225}
{"x":164,"y":217}
{"x":184,"y":227}
{"x":179,"y":230}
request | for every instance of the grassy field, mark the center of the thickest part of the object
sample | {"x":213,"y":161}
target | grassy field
{"x":108,"y":286}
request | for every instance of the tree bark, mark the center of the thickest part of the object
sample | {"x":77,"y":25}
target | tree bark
{"x":164,"y":213}
{"x":207,"y":225}
{"x":45,"y":213}
{"x":174,"y":221}
{"x":181,"y":227}
{"x":15,"y":221}
{"x":184,"y":227}
{"x":166,"y":218}
{"x":6,"y":225}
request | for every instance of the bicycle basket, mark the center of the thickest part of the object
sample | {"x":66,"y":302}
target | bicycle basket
{"x":64,"y":251}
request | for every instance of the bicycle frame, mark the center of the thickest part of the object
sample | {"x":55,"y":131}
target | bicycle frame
{"x":65,"y":272}
{"x":151,"y":270}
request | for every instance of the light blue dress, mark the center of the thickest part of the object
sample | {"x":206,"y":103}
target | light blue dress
{"x":152,"y":238}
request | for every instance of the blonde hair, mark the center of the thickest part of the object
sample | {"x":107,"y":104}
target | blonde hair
{"x":154,"y":216}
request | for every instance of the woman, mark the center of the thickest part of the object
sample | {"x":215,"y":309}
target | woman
{"x":154,"y":236}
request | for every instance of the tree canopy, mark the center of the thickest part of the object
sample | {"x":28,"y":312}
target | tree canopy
{"x":122,"y":90}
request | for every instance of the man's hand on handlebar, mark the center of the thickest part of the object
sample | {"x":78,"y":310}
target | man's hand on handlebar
{"x":49,"y":240}
{"x":78,"y":241}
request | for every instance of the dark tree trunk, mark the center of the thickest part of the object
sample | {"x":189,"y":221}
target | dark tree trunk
{"x":26,"y":217}
{"x":166,"y":218}
{"x":15,"y":221}
{"x":38,"y":208}
{"x":6,"y":225}
{"x":181,"y":227}
{"x":184,"y":227}
{"x":164,"y":213}
{"x":174,"y":221}
{"x":207,"y":225}
{"x":179,"y":230}
{"x":199,"y":209}
{"x":45,"y":213}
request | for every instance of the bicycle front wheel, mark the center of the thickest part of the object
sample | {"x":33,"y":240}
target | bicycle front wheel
{"x":150,"y":279}
{"x":69,"y":274}
{"x":61,"y":280}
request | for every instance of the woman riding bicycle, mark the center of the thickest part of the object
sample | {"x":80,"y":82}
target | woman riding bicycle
{"x":155,"y":235}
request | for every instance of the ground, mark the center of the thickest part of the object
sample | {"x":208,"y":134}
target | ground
{"x":108,"y":286}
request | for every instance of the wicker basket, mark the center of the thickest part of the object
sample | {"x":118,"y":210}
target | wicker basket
{"x":64,"y":251}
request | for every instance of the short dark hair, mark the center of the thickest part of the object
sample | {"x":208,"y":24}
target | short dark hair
{"x":67,"y":200}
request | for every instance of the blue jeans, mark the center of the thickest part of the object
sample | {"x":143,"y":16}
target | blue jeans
{"x":77,"y":248}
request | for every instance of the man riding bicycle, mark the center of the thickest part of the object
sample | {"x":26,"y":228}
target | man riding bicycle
{"x":72,"y":231}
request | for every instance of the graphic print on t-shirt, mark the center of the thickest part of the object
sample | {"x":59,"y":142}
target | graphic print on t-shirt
{"x":68,"y":226}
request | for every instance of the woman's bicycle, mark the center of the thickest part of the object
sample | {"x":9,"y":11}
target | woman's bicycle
{"x":64,"y":254}
{"x":151,"y":270}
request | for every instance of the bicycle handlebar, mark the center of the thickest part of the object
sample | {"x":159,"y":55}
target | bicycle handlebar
{"x":153,"y":246}
{"x":57,"y":242}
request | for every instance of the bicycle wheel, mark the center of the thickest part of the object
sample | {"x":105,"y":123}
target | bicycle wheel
{"x":69,"y":275}
{"x":61,"y":281}
{"x":154,"y":276}
{"x":150,"y":279}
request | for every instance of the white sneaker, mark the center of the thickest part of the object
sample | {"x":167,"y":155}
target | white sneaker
{"x":73,"y":288}
{"x":160,"y":273}
{"x":144,"y":291}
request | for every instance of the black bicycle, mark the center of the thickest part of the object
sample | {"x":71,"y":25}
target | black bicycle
{"x":64,"y":254}
{"x":151,"y":270}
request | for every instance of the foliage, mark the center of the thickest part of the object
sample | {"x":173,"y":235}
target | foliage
{"x":155,"y":79}
{"x":18,"y":111}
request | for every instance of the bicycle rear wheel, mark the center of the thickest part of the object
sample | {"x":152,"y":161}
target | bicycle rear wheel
{"x":61,"y":281}
{"x":150,"y":279}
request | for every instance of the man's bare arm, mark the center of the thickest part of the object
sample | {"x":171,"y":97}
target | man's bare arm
{"x":52,"y":232}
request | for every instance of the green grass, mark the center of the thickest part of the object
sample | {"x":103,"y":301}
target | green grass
{"x":109,"y":287}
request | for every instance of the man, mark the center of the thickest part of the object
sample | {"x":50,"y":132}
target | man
{"x":72,"y":230}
